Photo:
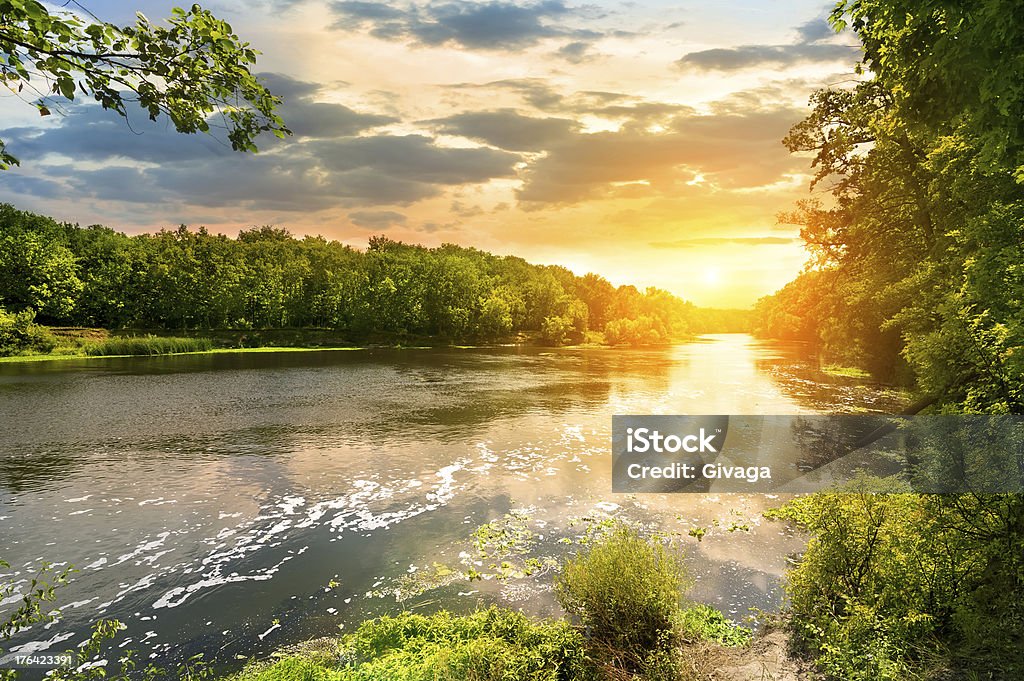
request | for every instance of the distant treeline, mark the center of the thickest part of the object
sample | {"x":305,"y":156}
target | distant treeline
{"x":266,"y":279}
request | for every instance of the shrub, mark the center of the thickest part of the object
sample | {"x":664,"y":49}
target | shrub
{"x":20,"y":334}
{"x":625,"y":591}
{"x":707,"y":624}
{"x":894,"y":584}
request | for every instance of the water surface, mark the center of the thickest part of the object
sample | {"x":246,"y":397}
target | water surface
{"x":234,"y":503}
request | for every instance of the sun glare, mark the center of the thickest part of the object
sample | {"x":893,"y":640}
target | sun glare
{"x":712,"y":276}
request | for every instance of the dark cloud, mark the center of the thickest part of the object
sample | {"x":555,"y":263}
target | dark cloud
{"x":415,"y":158}
{"x":376,"y":219}
{"x":494,"y":25}
{"x":15,"y":185}
{"x":324,"y":164}
{"x":780,"y":56}
{"x":319,"y":119}
{"x":90,"y":133}
{"x":307,"y":117}
{"x":815,"y":30}
{"x":575,"y":52}
{"x":288,"y":88}
{"x":507,"y":129}
{"x":722,"y":241}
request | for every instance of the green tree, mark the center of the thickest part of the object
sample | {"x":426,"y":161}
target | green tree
{"x":194,"y":70}
{"x":37,"y":272}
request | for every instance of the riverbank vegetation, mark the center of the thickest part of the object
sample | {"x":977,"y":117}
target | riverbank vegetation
{"x":623,"y":592}
{"x":183,"y":280}
{"x":917,"y":275}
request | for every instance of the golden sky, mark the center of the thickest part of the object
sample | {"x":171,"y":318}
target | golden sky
{"x":638,"y":140}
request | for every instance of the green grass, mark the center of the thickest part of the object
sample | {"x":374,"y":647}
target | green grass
{"x":148,"y":345}
{"x":848,"y":372}
{"x":488,"y":645}
{"x":215,"y":351}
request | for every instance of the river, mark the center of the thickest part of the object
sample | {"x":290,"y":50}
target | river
{"x":231,"y":504}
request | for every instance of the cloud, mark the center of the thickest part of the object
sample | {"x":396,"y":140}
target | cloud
{"x":376,"y":219}
{"x":761,"y":56}
{"x":90,"y":133}
{"x":331,"y":160}
{"x":541,"y":95}
{"x":729,"y":151}
{"x":493,"y":25}
{"x":575,"y":52}
{"x":507,"y":129}
{"x":815,"y":30}
{"x":416,"y":158}
{"x":306,"y":117}
{"x":723,"y":241}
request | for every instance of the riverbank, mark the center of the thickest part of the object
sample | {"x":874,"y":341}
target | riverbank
{"x":215,"y":351}
{"x":69,"y":343}
{"x":494,"y":643}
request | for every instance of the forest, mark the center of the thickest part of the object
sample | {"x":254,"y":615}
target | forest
{"x":183,"y":279}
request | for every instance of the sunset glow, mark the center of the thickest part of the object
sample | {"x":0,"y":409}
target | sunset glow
{"x":640,"y":141}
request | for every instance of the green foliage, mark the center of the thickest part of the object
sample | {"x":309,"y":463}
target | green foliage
{"x":707,"y":624}
{"x":917,"y":264}
{"x":194,"y":69}
{"x":267,"y":279}
{"x":625,"y":591}
{"x":641,"y":331}
{"x":20,"y":335}
{"x":39,"y":592}
{"x":918,"y":256}
{"x":37,"y":270}
{"x":488,"y":645}
{"x":148,"y":345}
{"x":555,"y":330}
{"x":893,"y":585}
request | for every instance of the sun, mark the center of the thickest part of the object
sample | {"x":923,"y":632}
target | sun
{"x":711,"y":276}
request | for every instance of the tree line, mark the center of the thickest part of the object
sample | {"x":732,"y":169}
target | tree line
{"x":917,"y":267}
{"x":185,"y":279}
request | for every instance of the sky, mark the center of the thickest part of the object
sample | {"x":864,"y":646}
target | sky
{"x":638,"y":140}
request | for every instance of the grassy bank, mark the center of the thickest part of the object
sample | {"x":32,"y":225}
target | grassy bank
{"x":40,"y":343}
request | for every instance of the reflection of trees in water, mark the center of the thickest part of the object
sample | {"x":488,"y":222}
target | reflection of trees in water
{"x":241,"y":406}
{"x":795,"y":370}
{"x":820,"y":440}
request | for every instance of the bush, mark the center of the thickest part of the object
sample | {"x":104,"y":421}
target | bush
{"x":19,"y":334}
{"x":626,"y":592}
{"x":894,"y":585}
{"x":707,"y":624}
{"x":149,"y":345}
